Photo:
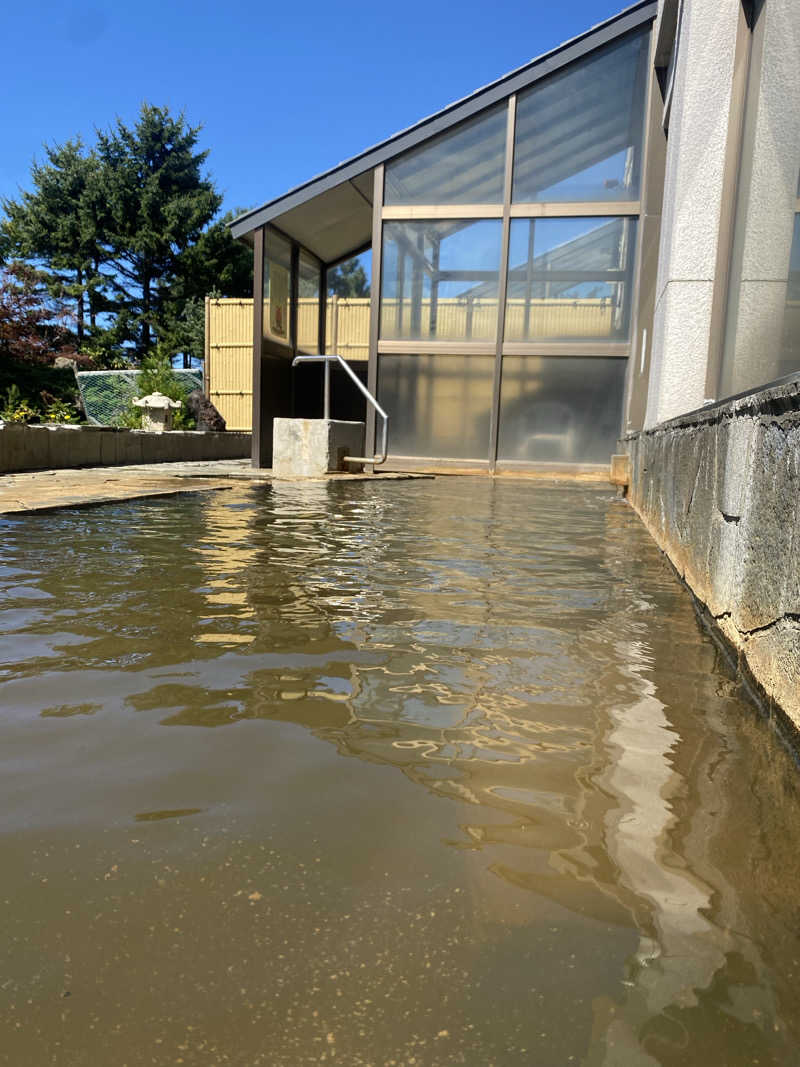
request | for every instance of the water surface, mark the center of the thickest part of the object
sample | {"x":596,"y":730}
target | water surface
{"x":420,"y":773}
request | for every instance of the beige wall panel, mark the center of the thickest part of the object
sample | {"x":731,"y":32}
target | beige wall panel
{"x":229,"y":371}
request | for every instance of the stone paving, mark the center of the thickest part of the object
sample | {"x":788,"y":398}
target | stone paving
{"x":45,"y":490}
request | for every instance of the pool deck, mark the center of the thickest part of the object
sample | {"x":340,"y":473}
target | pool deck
{"x":47,"y":490}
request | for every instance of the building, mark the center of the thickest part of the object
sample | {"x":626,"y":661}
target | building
{"x":531,"y":243}
{"x":598,"y":252}
{"x":505,"y":262}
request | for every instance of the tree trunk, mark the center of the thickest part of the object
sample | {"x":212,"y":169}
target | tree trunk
{"x":79,"y":328}
{"x":93,"y":297}
{"x":145,"y":315}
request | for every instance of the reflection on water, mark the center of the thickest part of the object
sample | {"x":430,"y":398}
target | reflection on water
{"x":484,"y":792}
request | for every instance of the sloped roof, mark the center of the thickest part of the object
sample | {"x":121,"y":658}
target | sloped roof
{"x":331,"y":214}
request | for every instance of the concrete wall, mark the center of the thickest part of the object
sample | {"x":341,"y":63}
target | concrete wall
{"x":27,"y":448}
{"x":719,"y":491}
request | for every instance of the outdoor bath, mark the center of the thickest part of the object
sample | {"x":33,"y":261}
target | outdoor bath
{"x":429,"y":772}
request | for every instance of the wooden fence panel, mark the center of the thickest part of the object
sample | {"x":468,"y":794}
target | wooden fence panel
{"x":229,"y":334}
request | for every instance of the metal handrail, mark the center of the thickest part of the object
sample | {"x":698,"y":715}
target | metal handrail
{"x":327,"y":360}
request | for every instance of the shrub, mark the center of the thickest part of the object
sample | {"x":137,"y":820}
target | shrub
{"x":17,"y":409}
{"x":58,"y":411}
{"x":157,"y":376}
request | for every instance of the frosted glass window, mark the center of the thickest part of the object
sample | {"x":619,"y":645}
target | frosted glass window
{"x":569,"y":279}
{"x":440,"y":279}
{"x":439,"y":406}
{"x":308,"y":303}
{"x":579,"y":133}
{"x":277,"y":286}
{"x":560,"y":409}
{"x":463,"y":166}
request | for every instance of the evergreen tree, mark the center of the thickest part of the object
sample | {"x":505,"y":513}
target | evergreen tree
{"x":59,"y":225}
{"x":159,"y":204}
{"x":348,"y":279}
{"x":216,"y":262}
{"x":126,"y":232}
{"x":215,"y":265}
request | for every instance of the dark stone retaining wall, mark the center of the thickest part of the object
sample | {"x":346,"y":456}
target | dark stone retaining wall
{"x":718,"y":490}
{"x":30,"y":448}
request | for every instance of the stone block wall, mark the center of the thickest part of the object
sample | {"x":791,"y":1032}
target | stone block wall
{"x":30,"y":448}
{"x":719,"y":490}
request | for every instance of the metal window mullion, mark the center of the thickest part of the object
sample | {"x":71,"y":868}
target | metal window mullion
{"x":322,"y":323}
{"x":374,"y":304}
{"x":634,"y":294}
{"x":502,"y":282}
{"x":258,"y":332}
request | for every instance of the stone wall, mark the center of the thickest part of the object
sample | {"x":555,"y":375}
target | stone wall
{"x":28,"y":448}
{"x":719,"y":491}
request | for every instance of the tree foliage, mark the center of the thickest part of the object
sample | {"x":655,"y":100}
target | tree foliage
{"x":159,"y":203}
{"x":34,"y":327}
{"x":59,"y":224}
{"x":157,"y":376}
{"x":348,"y":279}
{"x":127,"y":231}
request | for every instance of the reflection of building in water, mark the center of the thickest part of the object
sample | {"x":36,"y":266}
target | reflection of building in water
{"x":228,"y":610}
{"x":550,"y":684}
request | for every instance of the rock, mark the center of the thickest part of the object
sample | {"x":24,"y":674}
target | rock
{"x":205,"y":414}
{"x":65,"y":363}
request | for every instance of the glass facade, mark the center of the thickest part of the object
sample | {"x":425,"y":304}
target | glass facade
{"x":504,"y":274}
{"x":308,"y":295}
{"x":277,"y":287}
{"x":567,"y":282}
{"x":569,"y":279}
{"x":439,"y":405}
{"x":462,"y":166}
{"x":560,"y":410}
{"x":440,"y":279}
{"x":579,"y":132}
{"x":762,"y":329}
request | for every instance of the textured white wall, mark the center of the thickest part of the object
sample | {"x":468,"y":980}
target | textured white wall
{"x":767,"y":195}
{"x":693,"y":187}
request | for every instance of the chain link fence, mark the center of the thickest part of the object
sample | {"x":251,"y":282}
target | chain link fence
{"x":107,"y":394}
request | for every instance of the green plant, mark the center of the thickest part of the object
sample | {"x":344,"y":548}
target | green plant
{"x":58,"y":411}
{"x":157,"y":376}
{"x":130,"y":419}
{"x":15,"y":408}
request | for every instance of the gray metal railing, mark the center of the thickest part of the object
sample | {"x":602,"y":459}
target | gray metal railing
{"x":327,"y":360}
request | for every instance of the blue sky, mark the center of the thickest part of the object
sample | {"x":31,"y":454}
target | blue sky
{"x":282,"y":91}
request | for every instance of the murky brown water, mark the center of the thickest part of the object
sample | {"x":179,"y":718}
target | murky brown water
{"x":420,"y":773}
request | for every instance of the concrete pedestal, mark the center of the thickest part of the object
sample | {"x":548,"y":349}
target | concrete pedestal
{"x":310,"y":448}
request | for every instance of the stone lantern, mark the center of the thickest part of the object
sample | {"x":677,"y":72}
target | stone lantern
{"x":156,"y":411}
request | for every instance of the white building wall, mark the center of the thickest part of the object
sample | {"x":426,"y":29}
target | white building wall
{"x":693,"y":188}
{"x":767,"y":204}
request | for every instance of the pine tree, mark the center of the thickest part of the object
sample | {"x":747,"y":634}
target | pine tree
{"x":348,"y":279}
{"x":159,"y":203}
{"x":58,"y":225}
